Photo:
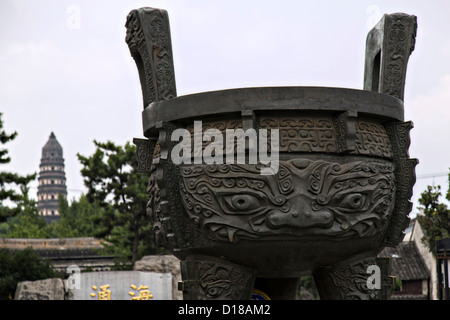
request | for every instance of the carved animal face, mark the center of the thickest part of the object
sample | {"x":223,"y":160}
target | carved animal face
{"x":305,"y":198}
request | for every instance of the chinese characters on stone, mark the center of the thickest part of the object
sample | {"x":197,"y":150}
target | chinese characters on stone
{"x":139,"y":292}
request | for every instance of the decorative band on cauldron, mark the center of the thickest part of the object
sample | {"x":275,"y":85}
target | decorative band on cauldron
{"x":316,"y":133}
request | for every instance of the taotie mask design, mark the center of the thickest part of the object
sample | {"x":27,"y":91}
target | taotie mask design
{"x":329,"y":198}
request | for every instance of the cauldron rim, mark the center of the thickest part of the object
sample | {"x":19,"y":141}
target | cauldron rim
{"x":295,"y":98}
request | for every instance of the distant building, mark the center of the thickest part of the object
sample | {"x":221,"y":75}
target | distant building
{"x":408,"y":266}
{"x":52,"y":179}
{"x":85,"y":253}
{"x":413,"y":263}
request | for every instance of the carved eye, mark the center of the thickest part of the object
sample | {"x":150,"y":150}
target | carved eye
{"x":213,"y":292}
{"x":215,"y":288}
{"x":353,"y":201}
{"x":242,"y":202}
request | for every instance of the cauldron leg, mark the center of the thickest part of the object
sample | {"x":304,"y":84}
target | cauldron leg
{"x":210,"y":278}
{"x":363,"y":279}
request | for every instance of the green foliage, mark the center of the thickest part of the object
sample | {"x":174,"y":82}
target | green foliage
{"x":78,"y":219}
{"x":436,"y":216}
{"x":115,"y":185}
{"x":4,"y":138}
{"x":26,"y":223}
{"x":396,"y":285}
{"x":307,"y":288}
{"x":24,"y":265}
{"x":8,"y":179}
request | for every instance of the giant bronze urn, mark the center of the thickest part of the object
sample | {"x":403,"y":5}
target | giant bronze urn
{"x":319,"y":184}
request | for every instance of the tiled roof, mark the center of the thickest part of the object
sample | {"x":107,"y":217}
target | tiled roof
{"x":52,"y":244}
{"x":406,"y":262}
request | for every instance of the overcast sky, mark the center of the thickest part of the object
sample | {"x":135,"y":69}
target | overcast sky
{"x":65,"y":67}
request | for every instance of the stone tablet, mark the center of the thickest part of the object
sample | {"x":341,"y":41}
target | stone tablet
{"x":123,"y":285}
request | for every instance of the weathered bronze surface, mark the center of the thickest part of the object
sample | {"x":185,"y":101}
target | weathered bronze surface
{"x":340,"y":195}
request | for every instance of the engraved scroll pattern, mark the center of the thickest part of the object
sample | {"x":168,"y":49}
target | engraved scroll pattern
{"x":372,"y":139}
{"x":303,"y":134}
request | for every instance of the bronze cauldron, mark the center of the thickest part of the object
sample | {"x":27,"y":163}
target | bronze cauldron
{"x":339,"y":188}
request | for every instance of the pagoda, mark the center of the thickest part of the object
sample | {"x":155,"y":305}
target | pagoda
{"x":52,"y":180}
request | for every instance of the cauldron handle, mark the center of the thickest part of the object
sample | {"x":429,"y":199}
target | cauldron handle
{"x":148,"y":38}
{"x":388,"y":47}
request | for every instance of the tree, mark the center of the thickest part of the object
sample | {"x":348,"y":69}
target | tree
{"x":78,"y":219}
{"x":8,"y":179}
{"x":436,"y":216}
{"x":23,"y":265}
{"x":26,"y":223}
{"x":113,"y":183}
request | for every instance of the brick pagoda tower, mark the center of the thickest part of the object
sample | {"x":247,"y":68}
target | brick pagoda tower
{"x":52,"y":179}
